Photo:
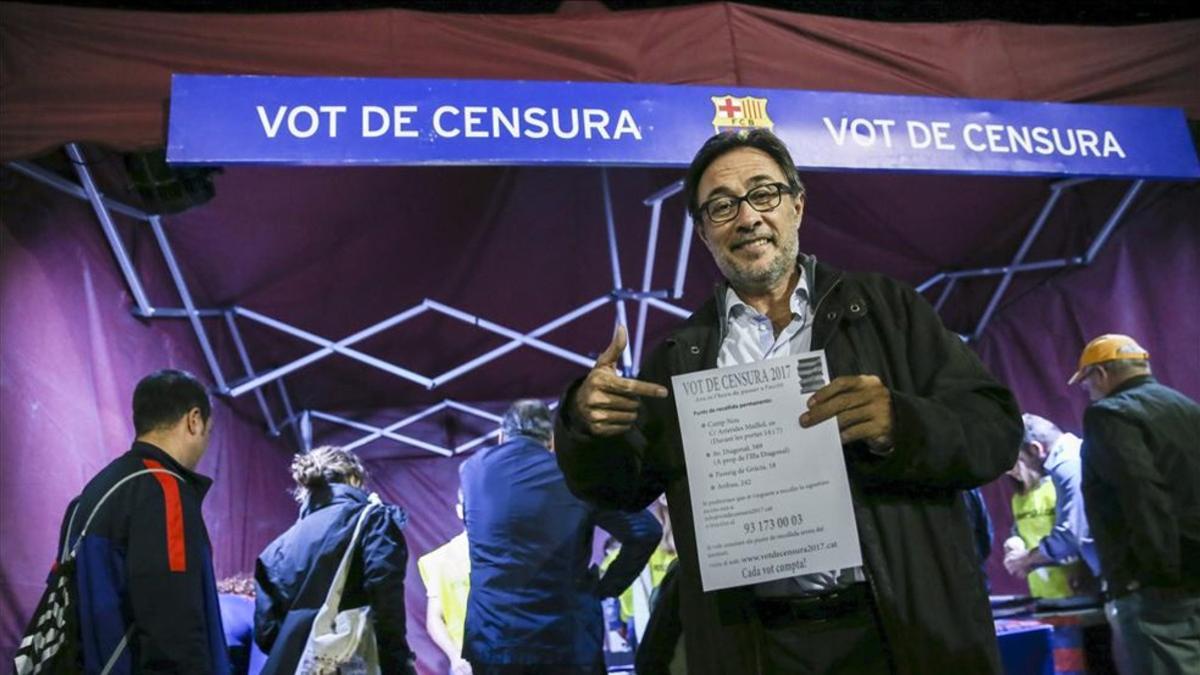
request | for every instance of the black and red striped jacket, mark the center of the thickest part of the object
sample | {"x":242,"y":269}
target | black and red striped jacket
{"x":144,"y":569}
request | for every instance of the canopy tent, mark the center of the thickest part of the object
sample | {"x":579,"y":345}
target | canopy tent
{"x":334,"y":250}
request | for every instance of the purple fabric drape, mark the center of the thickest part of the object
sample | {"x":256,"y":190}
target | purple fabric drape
{"x":1144,"y":283}
{"x":102,"y":75}
{"x":71,"y":354}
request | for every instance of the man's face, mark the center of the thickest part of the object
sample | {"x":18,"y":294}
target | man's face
{"x":1027,"y":470}
{"x":1095,"y":383}
{"x":755,"y":251}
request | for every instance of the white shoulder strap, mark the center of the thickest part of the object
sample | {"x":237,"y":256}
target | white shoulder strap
{"x":334,"y":598}
{"x":96,"y":509}
{"x":64,"y":551}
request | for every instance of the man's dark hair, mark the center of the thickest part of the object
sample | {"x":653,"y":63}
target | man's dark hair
{"x":761,"y":139}
{"x":528,"y":417}
{"x":162,"y":397}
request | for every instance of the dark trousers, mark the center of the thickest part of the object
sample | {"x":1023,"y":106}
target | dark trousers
{"x":1160,"y":631}
{"x":829,"y":639}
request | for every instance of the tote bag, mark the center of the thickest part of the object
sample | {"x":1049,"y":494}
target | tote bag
{"x":342,"y":643}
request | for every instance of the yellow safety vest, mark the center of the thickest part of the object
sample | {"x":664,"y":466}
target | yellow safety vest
{"x":659,"y":561}
{"x":446,"y":573}
{"x":1033,"y":514}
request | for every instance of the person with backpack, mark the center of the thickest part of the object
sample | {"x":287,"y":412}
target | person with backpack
{"x":135,"y":553}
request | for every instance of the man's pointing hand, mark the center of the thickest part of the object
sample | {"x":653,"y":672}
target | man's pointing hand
{"x":606,"y":403}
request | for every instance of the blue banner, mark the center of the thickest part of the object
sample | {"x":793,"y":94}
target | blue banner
{"x":360,"y":121}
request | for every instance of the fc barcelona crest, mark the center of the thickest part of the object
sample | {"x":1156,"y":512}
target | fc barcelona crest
{"x":745,"y":112}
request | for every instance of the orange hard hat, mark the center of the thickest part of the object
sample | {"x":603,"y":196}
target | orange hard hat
{"x":1111,"y":347}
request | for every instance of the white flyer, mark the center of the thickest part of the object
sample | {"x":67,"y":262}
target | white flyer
{"x":770,"y":499}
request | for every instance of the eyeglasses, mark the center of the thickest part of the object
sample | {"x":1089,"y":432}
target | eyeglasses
{"x":762,"y":199}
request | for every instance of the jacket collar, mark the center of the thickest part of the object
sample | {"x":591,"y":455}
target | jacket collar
{"x":825,"y":279}
{"x":144,"y":450}
{"x":325,"y":495}
{"x":701,"y":333}
{"x":820,"y":279}
{"x":1065,"y":448}
{"x":1131,"y":383}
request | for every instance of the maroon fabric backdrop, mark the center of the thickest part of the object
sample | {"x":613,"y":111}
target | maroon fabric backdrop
{"x":71,"y":354}
{"x":427,"y":489}
{"x":1144,"y":284}
{"x":101,"y":75}
{"x":332,"y":251}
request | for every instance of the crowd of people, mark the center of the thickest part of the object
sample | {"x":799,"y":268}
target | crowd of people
{"x":921,"y":421}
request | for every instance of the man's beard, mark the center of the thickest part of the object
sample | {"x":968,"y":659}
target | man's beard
{"x":762,"y":279}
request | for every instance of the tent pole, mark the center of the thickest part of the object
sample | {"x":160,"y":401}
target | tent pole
{"x":615,"y":260}
{"x":647,"y":278}
{"x":245,"y":358}
{"x":1023,"y":267}
{"x":437,"y":407}
{"x":186,"y":296}
{"x":291,"y":414}
{"x":668,"y":308}
{"x":306,"y":437}
{"x":1117,"y":214}
{"x":930,"y":282}
{"x":503,"y":349}
{"x":328,"y":347}
{"x":63,"y":185}
{"x":665,"y":193}
{"x":376,"y":432}
{"x":462,"y":407}
{"x":685,"y":249}
{"x":1034,"y":231}
{"x":110,"y":230}
{"x":458,"y":450}
{"x":509,"y":333}
{"x":946,"y":290}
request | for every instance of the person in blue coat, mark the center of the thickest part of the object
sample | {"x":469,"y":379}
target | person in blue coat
{"x":294,"y":573}
{"x":534,"y":605}
{"x":236,"y":595}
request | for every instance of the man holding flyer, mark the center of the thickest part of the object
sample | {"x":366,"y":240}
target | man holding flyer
{"x":813,"y":430}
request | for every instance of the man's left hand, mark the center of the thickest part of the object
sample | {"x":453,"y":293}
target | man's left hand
{"x":1021,"y":563}
{"x":862,"y":406}
{"x":1017,"y":564}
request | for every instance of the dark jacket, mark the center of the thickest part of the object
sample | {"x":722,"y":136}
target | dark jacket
{"x":1141,"y":485}
{"x":981,"y":523}
{"x":534,"y":598}
{"x":145,"y":565}
{"x":955,"y":428}
{"x":294,"y":573}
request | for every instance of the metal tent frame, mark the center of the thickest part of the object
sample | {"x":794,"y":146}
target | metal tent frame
{"x":300,"y":422}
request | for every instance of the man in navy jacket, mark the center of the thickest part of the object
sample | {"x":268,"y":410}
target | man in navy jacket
{"x":534,"y":605}
{"x":147,"y":595}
